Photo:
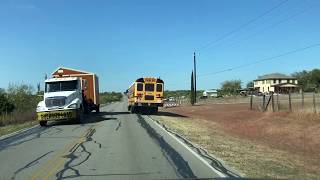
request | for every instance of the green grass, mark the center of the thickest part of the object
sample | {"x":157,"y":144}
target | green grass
{"x":16,"y":127}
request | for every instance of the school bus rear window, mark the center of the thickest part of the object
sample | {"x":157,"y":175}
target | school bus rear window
{"x":149,"y":87}
{"x":139,"y":87}
{"x":159,"y":87}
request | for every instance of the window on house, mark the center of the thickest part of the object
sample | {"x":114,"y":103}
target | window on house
{"x":274,"y":81}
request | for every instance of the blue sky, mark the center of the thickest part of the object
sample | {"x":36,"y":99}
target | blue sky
{"x":122,"y":40}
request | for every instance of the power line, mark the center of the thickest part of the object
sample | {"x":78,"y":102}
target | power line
{"x":270,"y":26}
{"x":253,"y":63}
{"x":243,"y":25}
{"x":262,"y":60}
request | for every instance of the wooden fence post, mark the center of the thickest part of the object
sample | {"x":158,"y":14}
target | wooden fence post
{"x":263,"y":102}
{"x":272,"y":102}
{"x":278,"y":103}
{"x":314,"y":102}
{"x":302,"y":100}
{"x":251,"y":101}
{"x":266,"y":106}
{"x":290,"y":105}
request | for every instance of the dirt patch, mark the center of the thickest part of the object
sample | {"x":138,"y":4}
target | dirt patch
{"x":296,"y":132}
{"x":285,"y":142}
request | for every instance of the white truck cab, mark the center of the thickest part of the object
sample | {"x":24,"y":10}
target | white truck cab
{"x":63,"y":99}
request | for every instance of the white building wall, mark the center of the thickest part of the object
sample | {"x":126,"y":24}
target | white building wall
{"x":265,"y":85}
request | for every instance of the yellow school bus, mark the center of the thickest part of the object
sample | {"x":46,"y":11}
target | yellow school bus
{"x":145,"y":95}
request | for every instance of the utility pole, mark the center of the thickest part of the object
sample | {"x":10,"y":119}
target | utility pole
{"x":192,"y":89}
{"x":195,"y":77}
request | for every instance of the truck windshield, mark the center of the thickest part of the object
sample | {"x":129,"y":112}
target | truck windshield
{"x":61,"y":86}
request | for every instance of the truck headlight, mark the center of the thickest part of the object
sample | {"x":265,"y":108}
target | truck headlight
{"x":74,"y":105}
{"x":39,"y":108}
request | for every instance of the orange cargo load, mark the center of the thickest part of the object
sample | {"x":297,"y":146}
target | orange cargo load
{"x":89,"y":80}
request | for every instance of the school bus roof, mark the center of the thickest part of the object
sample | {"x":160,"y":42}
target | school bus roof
{"x":143,"y":79}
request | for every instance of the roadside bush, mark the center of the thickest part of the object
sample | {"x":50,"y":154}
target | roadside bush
{"x":19,"y":103}
{"x":230,"y":87}
{"x":22,"y":98}
{"x":180,"y":93}
{"x":107,"y":97}
{"x":5,"y":105}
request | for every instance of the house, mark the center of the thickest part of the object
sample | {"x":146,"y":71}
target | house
{"x":277,"y":83}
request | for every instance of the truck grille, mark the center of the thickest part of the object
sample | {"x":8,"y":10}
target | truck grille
{"x":55,"y":101}
{"x":149,"y":97}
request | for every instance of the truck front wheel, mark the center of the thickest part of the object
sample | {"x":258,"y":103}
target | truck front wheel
{"x":80,"y":115}
{"x":43,"y":123}
{"x":97,"y":109}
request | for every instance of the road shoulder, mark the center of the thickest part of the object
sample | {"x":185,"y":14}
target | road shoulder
{"x":200,"y":167}
{"x":253,"y":159}
{"x":11,"y":130}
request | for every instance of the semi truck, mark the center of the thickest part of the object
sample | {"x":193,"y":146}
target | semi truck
{"x":68,"y":95}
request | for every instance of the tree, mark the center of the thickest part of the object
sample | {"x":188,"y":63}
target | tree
{"x":308,"y":80}
{"x":230,"y":87}
{"x":5,"y":105}
{"x":20,"y":95}
{"x":107,"y":97}
{"x":192,"y":95}
{"x":250,"y":84}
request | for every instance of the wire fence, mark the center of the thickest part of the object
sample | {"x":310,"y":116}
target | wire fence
{"x":292,"y":102}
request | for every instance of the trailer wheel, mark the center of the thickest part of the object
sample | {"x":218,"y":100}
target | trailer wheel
{"x":43,"y":123}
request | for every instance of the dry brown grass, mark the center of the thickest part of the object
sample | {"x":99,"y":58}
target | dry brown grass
{"x":17,"y":117}
{"x":16,"y":127}
{"x":15,"y":121}
{"x":255,"y":155}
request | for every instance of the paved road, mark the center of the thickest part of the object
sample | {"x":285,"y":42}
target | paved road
{"x":111,"y":145}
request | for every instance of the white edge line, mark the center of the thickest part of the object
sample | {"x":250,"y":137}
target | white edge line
{"x":189,"y":149}
{"x":16,"y":132}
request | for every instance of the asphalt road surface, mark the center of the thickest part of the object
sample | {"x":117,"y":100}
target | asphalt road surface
{"x":110,"y":145}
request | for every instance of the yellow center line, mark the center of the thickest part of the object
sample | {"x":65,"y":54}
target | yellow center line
{"x":61,"y":161}
{"x":58,"y":159}
{"x":50,"y":162}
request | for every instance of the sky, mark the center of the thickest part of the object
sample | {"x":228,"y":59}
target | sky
{"x":123,"y":40}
